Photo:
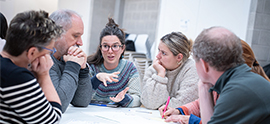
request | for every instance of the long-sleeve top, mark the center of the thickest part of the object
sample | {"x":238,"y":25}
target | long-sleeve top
{"x":21,"y":98}
{"x":128,"y":77}
{"x":72,"y":83}
{"x":180,"y":84}
{"x":240,"y":96}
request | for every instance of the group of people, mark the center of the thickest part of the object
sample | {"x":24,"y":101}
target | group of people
{"x":44,"y":70}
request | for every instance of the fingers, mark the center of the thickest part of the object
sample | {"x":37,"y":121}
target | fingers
{"x":168,"y":112}
{"x":116,"y":73}
{"x":105,"y":83}
{"x":34,"y":64}
{"x":120,"y":96}
{"x":125,"y":90}
{"x":174,"y":118}
{"x":182,"y":119}
{"x":113,"y":99}
{"x":76,"y":51}
{"x":73,"y":50}
{"x":161,"y":109}
{"x":114,"y":76}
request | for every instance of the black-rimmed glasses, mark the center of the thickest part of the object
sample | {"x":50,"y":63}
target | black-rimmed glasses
{"x":52,"y":50}
{"x":114,"y":48}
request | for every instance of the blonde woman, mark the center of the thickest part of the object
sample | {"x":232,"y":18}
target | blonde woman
{"x":172,"y":74}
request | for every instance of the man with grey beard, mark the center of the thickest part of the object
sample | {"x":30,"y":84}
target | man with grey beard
{"x":69,"y":73}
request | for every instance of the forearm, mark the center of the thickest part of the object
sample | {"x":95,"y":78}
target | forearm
{"x":49,"y":90}
{"x":206,"y":103}
{"x":191,"y":108}
{"x":83,"y":94}
{"x":65,"y":83}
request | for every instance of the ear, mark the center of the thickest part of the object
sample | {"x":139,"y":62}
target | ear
{"x":205,"y":65}
{"x":32,"y":53}
{"x":124,"y":47}
{"x":179,"y":57}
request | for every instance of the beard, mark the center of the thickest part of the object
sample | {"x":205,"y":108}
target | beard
{"x":61,"y":46}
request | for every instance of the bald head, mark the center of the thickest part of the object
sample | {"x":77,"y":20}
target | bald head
{"x":219,"y":47}
{"x":219,"y":32}
{"x":63,"y":17}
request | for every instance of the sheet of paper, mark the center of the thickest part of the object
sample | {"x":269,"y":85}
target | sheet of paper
{"x":126,"y":118}
{"x":83,"y":122}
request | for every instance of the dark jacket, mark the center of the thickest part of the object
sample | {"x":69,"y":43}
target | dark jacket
{"x":244,"y":97}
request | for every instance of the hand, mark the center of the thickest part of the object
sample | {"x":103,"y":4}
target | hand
{"x":170,"y":111}
{"x":80,"y":61}
{"x":205,"y":86}
{"x":182,"y":119}
{"x":159,"y":68}
{"x":76,"y":51}
{"x":41,"y":66}
{"x":120,"y":96}
{"x":206,"y":101}
{"x":104,"y":77}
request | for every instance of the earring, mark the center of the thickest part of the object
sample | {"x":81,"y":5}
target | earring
{"x":122,"y":56}
{"x":178,"y":63}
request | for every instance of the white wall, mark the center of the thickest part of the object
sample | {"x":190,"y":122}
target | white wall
{"x":11,"y":7}
{"x":84,"y":9}
{"x":192,"y":16}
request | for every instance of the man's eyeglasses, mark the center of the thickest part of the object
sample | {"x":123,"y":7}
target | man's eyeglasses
{"x":114,"y":48}
{"x":52,"y":50}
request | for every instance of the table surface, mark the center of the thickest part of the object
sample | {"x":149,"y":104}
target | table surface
{"x":107,"y":115}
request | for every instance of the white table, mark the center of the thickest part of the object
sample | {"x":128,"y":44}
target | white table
{"x":107,"y":115}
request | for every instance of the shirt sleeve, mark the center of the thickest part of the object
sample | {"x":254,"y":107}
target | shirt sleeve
{"x":191,"y":108}
{"x":69,"y":86}
{"x":154,"y":89}
{"x":134,"y":88}
{"x":83,"y":94}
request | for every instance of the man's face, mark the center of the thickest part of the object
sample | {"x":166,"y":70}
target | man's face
{"x":72,"y":37}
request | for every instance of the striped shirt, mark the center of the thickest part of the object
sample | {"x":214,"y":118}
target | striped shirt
{"x":21,"y":98}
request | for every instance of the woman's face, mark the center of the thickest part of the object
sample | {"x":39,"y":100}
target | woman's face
{"x":166,"y":57}
{"x":111,"y":49}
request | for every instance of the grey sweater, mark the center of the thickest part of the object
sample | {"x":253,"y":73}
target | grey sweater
{"x":72,"y":84}
{"x":180,"y":84}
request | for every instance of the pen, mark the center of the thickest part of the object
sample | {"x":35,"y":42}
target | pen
{"x":166,"y":106}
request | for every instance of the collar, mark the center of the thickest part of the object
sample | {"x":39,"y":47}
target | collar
{"x":227,"y":76}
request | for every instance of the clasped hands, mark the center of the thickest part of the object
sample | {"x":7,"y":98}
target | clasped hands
{"x":111,"y":77}
{"x":77,"y":55}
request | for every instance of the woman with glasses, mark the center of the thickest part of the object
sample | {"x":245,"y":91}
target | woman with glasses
{"x":172,"y":74}
{"x":113,"y":78}
{"x":27,"y":94}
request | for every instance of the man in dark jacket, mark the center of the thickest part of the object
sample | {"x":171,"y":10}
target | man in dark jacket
{"x":243,"y":96}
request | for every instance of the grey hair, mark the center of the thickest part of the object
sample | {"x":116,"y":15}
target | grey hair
{"x":177,"y":42}
{"x":63,"y":18}
{"x":222,"y":49}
